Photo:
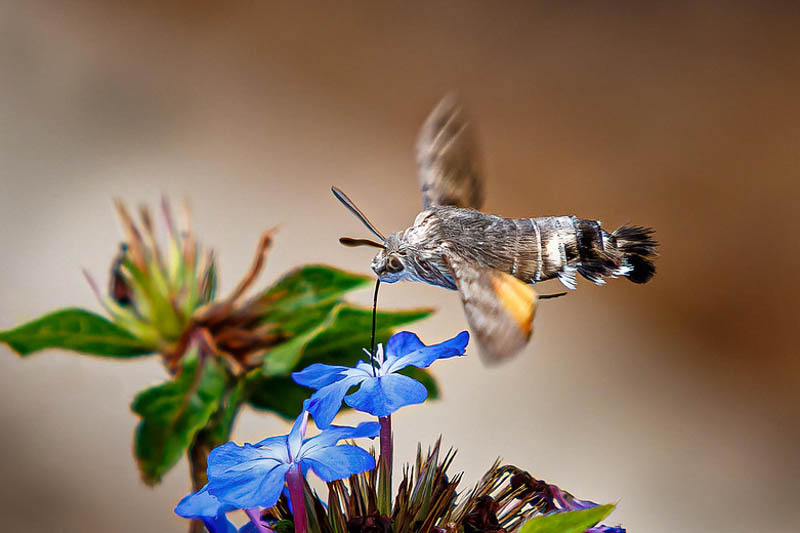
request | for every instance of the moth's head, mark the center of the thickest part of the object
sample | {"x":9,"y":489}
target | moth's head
{"x":390,"y":264}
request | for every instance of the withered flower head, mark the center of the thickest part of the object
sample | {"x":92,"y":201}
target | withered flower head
{"x":165,"y":297}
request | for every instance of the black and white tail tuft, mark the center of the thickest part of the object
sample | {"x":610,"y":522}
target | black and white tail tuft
{"x":638,"y":248}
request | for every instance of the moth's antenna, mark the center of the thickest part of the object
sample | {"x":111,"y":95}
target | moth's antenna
{"x":348,"y":203}
{"x":548,"y":296}
{"x":347,"y":241}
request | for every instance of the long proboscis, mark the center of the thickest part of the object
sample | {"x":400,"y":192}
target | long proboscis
{"x":348,"y":203}
{"x":349,"y":241}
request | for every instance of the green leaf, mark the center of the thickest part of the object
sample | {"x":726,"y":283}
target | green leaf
{"x":215,"y":433}
{"x":311,"y":285}
{"x":280,"y":360}
{"x":353,"y":326}
{"x":347,"y":354}
{"x":221,"y":423}
{"x":77,"y":330}
{"x":276,"y":393}
{"x":308,"y":318}
{"x":567,"y":521}
{"x":172,"y":413}
{"x":305,"y":304}
{"x":346,"y":327}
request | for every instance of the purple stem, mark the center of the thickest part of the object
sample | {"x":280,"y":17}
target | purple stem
{"x":254,"y":513}
{"x":297,"y":495}
{"x":386,"y":440}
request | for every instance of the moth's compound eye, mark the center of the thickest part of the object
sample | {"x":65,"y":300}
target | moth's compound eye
{"x":394,"y":264}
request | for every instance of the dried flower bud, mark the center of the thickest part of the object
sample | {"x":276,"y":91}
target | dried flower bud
{"x":118,"y":288}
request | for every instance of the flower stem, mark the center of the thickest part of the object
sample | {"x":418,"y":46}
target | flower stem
{"x":385,"y":467}
{"x":198,"y":452}
{"x":254,"y":515}
{"x":386,"y":440}
{"x":297,"y":495}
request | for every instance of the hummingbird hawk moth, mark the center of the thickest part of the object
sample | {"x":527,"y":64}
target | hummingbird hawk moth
{"x":490,"y":260}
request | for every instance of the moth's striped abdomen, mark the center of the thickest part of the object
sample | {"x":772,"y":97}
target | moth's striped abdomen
{"x":531,"y":249}
{"x":564,"y":246}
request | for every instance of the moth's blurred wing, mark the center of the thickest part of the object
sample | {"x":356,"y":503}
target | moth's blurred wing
{"x":499,"y":308}
{"x":447,"y":157}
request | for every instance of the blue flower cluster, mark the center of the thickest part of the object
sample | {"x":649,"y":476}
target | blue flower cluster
{"x":254,"y":476}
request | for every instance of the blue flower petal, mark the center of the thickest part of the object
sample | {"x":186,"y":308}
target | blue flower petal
{"x":325,"y":403}
{"x":245,"y":476}
{"x":334,"y":434}
{"x":219,"y":524}
{"x":318,"y":375}
{"x":278,"y":446}
{"x":425,"y":356}
{"x":338,"y":462}
{"x":402,"y":343}
{"x":201,"y":504}
{"x":606,"y":529}
{"x":384,"y":395}
{"x":365,"y":367}
{"x":207,"y":508}
{"x":295,"y":438}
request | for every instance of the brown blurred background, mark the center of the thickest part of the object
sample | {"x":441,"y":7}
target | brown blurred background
{"x":679,"y":398}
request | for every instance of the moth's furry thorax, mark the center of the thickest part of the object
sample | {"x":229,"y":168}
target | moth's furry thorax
{"x":418,"y":250}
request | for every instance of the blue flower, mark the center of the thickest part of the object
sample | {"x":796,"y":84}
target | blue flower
{"x":203,"y":506}
{"x":253,"y":475}
{"x":383,"y":391}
